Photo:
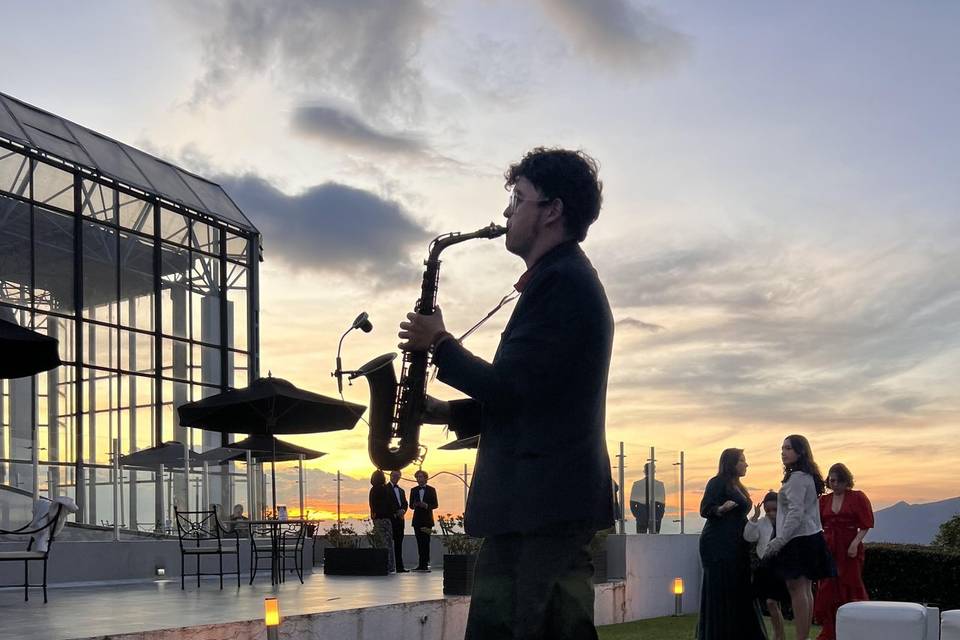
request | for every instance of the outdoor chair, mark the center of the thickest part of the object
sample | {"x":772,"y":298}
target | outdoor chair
{"x":46,"y":523}
{"x":292,"y":538}
{"x":201,"y":534}
{"x":261,"y":546}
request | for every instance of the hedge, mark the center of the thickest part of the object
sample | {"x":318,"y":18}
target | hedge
{"x":913,"y":573}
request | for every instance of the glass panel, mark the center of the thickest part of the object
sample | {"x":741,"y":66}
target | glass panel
{"x":237,"y":306}
{"x":101,"y":414}
{"x":176,"y":355}
{"x":174,"y":278}
{"x":136,"y":282}
{"x":173,"y":226}
{"x":206,"y":365}
{"x":100,"y":346}
{"x":205,"y":298}
{"x":135,"y":213}
{"x":56,"y":419}
{"x":16,"y":434}
{"x":136,"y":352}
{"x":205,"y":237}
{"x":14,"y":251}
{"x":97,"y":201}
{"x":237,"y":374}
{"x":137,"y":396}
{"x":53,"y":251}
{"x":60,"y":328}
{"x":236,"y":247}
{"x":14,"y":173}
{"x":52,"y":186}
{"x":99,"y":272}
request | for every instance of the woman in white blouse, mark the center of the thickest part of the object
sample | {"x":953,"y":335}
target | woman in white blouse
{"x":799,"y":552}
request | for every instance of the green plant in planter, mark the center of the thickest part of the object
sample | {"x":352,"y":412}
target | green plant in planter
{"x":454,"y":540}
{"x":343,"y":537}
{"x":375,"y":537}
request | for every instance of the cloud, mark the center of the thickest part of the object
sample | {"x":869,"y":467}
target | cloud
{"x":330,"y":227}
{"x":633,"y":323}
{"x":342,"y":128}
{"x":780,"y":332}
{"x":617,"y":33}
{"x":360,"y":50}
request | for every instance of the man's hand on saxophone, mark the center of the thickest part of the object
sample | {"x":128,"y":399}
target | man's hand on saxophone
{"x":422,"y":332}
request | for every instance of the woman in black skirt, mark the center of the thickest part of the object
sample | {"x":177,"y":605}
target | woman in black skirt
{"x":799,"y":553}
{"x":727,"y":607}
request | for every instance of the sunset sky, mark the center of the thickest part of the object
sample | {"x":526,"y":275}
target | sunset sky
{"x":780,"y":237}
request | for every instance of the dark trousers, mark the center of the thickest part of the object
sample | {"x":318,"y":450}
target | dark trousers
{"x":533,"y":586}
{"x":397,"y":524}
{"x":423,"y":547}
{"x":642,"y":515}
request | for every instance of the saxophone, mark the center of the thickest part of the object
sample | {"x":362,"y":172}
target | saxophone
{"x":396,"y":407}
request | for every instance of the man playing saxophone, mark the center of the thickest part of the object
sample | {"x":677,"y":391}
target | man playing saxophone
{"x":539,"y":408}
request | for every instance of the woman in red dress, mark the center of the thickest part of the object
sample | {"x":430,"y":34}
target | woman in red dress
{"x":846,"y":516}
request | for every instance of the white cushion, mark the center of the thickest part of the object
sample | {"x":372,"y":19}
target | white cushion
{"x":882,"y":621}
{"x":950,"y":625}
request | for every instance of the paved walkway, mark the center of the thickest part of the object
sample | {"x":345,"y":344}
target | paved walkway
{"x":97,"y":610}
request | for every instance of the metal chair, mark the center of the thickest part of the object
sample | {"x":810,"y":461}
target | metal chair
{"x":41,"y":539}
{"x":261,"y":546}
{"x":292,"y":538}
{"x":201,"y":534}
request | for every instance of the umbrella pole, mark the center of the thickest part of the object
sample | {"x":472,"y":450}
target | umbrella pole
{"x":250,"y":487}
{"x":186,"y":475}
{"x":273,"y":485}
{"x":206,"y":485}
{"x":273,"y":474}
{"x":302,"y":514}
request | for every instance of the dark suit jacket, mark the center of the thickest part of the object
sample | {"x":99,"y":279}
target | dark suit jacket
{"x":423,"y":517}
{"x":539,"y":406}
{"x":393,"y":494}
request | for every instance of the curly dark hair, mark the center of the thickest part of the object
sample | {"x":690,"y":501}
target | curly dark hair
{"x":805,"y":462}
{"x":843,"y":474}
{"x":570,"y":176}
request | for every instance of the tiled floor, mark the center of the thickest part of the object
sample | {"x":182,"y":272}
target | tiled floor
{"x":84,"y":611}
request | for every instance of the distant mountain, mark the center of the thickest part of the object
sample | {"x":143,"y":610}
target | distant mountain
{"x":912,"y":523}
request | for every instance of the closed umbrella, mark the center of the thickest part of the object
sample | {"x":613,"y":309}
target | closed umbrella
{"x":270,"y":406}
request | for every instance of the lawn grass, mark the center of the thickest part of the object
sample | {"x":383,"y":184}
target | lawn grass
{"x":671,"y":628}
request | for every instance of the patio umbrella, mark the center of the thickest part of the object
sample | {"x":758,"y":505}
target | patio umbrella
{"x":261,"y":449}
{"x":270,"y":406}
{"x":167,"y":454}
{"x":25,"y":352}
{"x":464,"y":443}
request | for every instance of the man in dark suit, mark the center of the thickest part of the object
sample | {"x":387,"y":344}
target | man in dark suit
{"x":423,"y":499}
{"x":539,"y":408}
{"x":396,"y":520}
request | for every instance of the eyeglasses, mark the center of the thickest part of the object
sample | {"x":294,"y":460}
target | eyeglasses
{"x":516,"y":200}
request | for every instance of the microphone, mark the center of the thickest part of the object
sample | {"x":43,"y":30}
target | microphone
{"x":338,"y":374}
{"x":362,"y":322}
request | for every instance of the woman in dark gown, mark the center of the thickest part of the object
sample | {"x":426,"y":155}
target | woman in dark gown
{"x":728,"y":610}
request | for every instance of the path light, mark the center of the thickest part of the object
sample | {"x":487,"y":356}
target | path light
{"x":677,"y":595}
{"x":271,"y":617}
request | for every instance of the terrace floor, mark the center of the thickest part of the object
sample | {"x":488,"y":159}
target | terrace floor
{"x":83,"y":611}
